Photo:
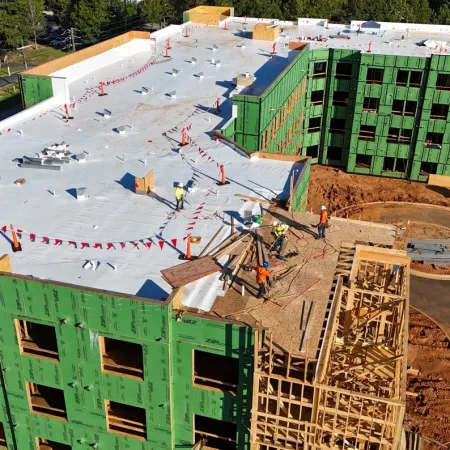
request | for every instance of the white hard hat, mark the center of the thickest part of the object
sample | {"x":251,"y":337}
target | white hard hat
{"x":275,"y":222}
{"x":180,"y":184}
{"x":323,"y":207}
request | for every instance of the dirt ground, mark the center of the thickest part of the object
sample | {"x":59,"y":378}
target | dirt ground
{"x":338,"y":190}
{"x":429,"y":353}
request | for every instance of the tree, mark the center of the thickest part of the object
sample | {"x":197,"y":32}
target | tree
{"x":442,"y":17}
{"x":88,"y":16}
{"x":153,"y":11}
{"x":15,"y":27}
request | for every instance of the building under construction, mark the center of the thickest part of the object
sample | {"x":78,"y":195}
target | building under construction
{"x":129,"y":325}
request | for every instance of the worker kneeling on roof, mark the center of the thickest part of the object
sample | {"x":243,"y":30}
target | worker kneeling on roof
{"x":262,"y":274}
{"x":279,"y":229}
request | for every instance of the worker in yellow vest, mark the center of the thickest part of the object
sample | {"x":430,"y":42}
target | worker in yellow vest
{"x":279,"y":229}
{"x":179,"y":196}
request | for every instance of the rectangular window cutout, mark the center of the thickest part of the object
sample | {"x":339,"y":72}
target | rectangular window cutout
{"x":397,"y":107}
{"x":219,"y":435}
{"x":405,"y":136}
{"x":3,"y":444}
{"x":434,"y":140}
{"x":400,"y":165}
{"x":121,"y":357}
{"x":410,"y":108}
{"x":319,"y":69}
{"x":363,"y":161}
{"x":367,"y":133}
{"x":343,"y":70}
{"x":46,"y":401}
{"x":439,"y":112}
{"x":316,"y":97}
{"x":334,"y":153}
{"x":314,"y":124}
{"x":36,"y":339}
{"x":389,"y":164}
{"x":374,"y":76}
{"x":45,"y":444}
{"x":443,"y":82}
{"x":216,"y":371}
{"x":402,"y":78}
{"x":428,"y":168}
{"x":340,"y":98}
{"x":337,"y":126}
{"x":415,"y":78}
{"x":126,"y":420}
{"x":312,"y":151}
{"x":370,"y":104}
{"x":393,"y":135}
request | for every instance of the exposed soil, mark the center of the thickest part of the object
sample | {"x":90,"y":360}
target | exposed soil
{"x":429,"y":353}
{"x":338,"y":190}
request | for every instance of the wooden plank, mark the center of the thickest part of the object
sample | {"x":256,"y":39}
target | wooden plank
{"x":211,"y":241}
{"x":191,"y":271}
{"x":5,"y":264}
{"x":280,"y":157}
{"x":439,"y":180}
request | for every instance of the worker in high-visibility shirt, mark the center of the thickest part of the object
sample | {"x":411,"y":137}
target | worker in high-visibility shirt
{"x":322,"y":222}
{"x":279,"y":229}
{"x":262,"y":274}
{"x":179,"y":196}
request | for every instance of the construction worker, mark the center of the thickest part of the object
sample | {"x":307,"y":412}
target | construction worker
{"x":322,"y":222}
{"x":179,"y":195}
{"x":279,"y":229}
{"x":261,"y":275}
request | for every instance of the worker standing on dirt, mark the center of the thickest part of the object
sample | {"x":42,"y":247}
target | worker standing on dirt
{"x":322,"y":222}
{"x":279,"y":229}
{"x":262,"y":274}
{"x":179,"y":195}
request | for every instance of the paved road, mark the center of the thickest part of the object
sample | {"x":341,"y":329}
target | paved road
{"x":433,"y":298}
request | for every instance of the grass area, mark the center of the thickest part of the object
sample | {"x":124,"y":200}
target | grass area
{"x":39,"y":56}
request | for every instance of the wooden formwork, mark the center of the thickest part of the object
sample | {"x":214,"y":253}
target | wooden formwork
{"x":353,"y":395}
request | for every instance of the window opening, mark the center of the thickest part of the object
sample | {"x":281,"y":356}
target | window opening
{"x":126,"y":420}
{"x":47,"y":401}
{"x":36,"y":339}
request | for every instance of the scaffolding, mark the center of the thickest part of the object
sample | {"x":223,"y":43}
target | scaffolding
{"x":353,"y":395}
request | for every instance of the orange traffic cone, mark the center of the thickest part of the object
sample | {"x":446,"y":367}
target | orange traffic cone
{"x":222,"y":181}
{"x":188,"y":249}
{"x":183,"y":139}
{"x":66,"y":108}
{"x":16,"y":246}
{"x":102,"y":89}
{"x":225,"y":27}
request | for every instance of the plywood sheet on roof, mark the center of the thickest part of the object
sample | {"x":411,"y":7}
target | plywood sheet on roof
{"x":191,"y":271}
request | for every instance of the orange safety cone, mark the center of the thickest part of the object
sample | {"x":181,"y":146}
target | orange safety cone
{"x":168,"y":44}
{"x":167,"y":53}
{"x":68,"y":116}
{"x":15,"y":246}
{"x":222,"y":181}
{"x":188,"y":249}
{"x":274,"y":48}
{"x":183,"y":139}
{"x":370,"y":47}
{"x":102,"y":89}
{"x":218,"y":106}
{"x":225,"y":27}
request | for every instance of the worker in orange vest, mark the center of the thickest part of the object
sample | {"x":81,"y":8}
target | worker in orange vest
{"x":262,"y":274}
{"x":322,"y":222}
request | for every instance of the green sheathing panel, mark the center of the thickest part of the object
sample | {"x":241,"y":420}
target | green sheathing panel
{"x":185,"y":17}
{"x":273,"y":122}
{"x":229,"y":130}
{"x":300,"y":198}
{"x":167,"y":394}
{"x":34,"y":89}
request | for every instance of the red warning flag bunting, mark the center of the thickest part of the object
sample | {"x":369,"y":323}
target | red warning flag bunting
{"x":174,"y":242}
{"x":136,"y":244}
{"x":32,"y":236}
{"x":161,"y":244}
{"x":58,"y":242}
{"x":189,"y":228}
{"x":19,"y":230}
{"x":185,"y":237}
{"x":122,"y":244}
{"x":72,"y":243}
{"x":45,"y":240}
{"x":4,"y":228}
{"x":97,"y":245}
{"x":196,"y":217}
{"x":109,"y":245}
{"x":149,"y":244}
{"x":84,"y":244}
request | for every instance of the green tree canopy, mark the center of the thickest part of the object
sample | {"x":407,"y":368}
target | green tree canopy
{"x":88,"y":16}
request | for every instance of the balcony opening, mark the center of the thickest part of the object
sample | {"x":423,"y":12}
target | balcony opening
{"x":343,"y":70}
{"x":397,"y":107}
{"x":3,"y":443}
{"x":367,"y":133}
{"x":319,"y":69}
{"x":428,"y":168}
{"x":121,"y":357}
{"x":216,"y":371}
{"x":36,"y":339}
{"x":410,"y":108}
{"x":340,"y":98}
{"x":393,"y":135}
{"x":334,"y":153}
{"x":389,"y":164}
{"x":337,"y":126}
{"x":443,"y":82}
{"x":314,"y":124}
{"x":402,"y":78}
{"x":374,"y":76}
{"x":312,"y":151}
{"x":405,"y":136}
{"x":363,"y":161}
{"x":46,"y":444}
{"x":434,"y":140}
{"x":439,"y":112}
{"x":415,"y":78}
{"x":47,"y":401}
{"x":317,"y":97}
{"x":219,"y":435}
{"x":126,"y":420}
{"x":370,"y":104}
